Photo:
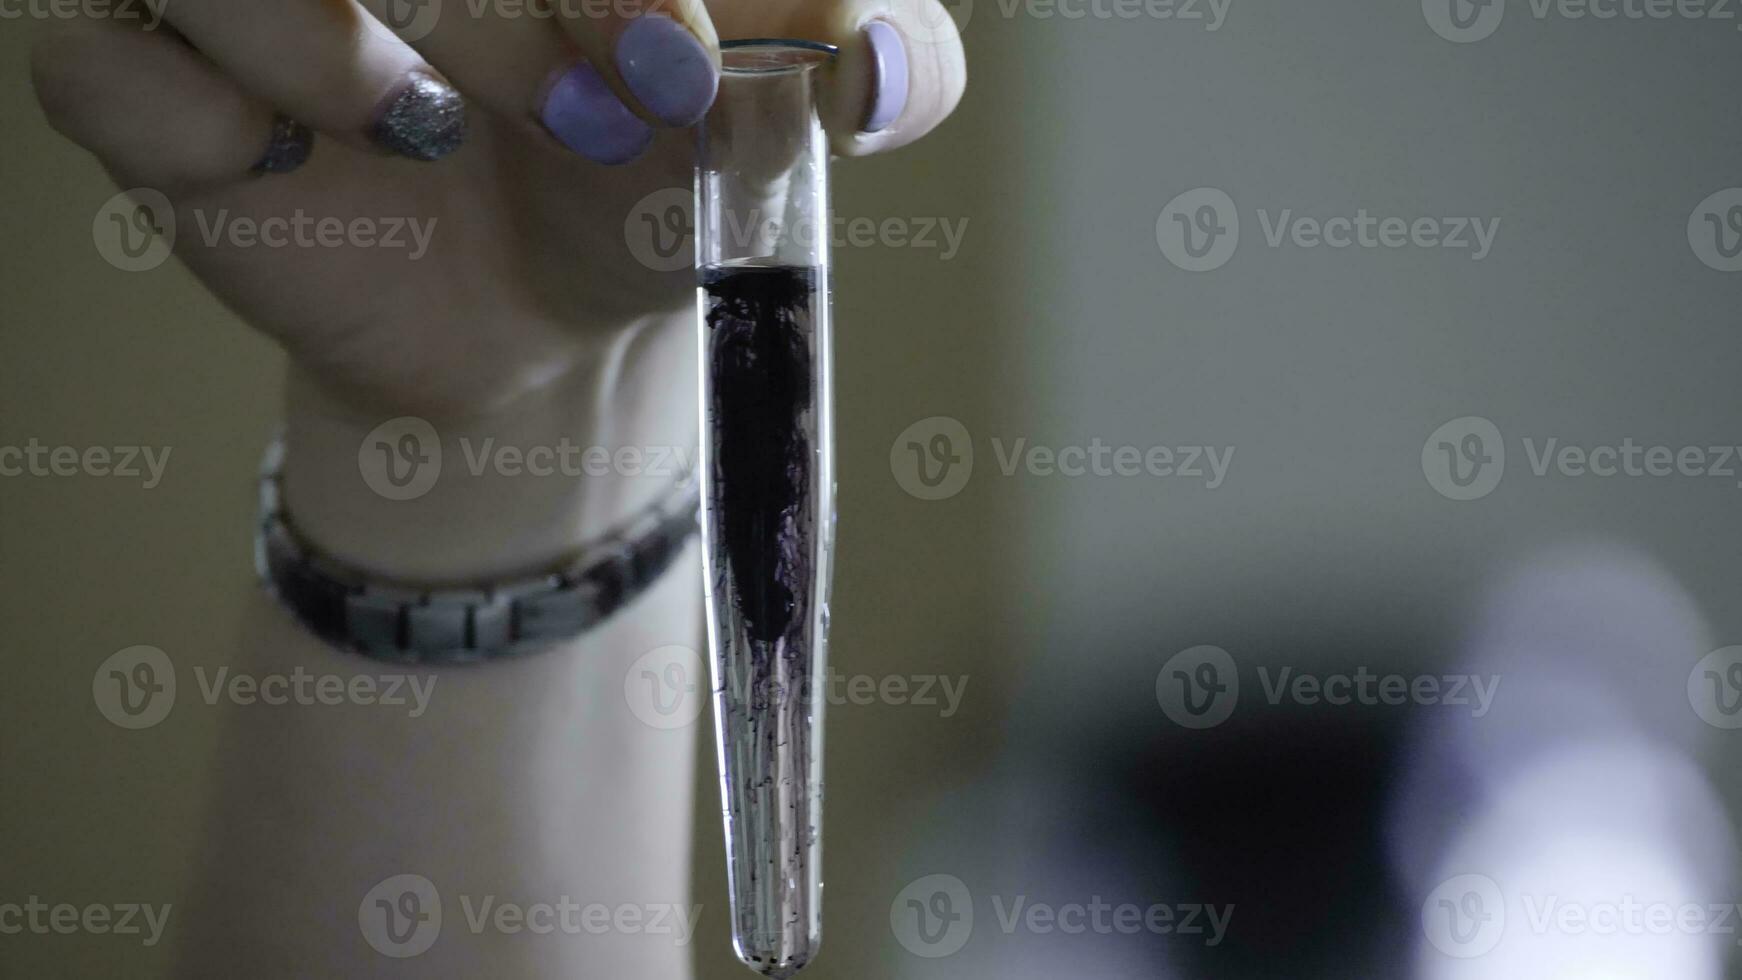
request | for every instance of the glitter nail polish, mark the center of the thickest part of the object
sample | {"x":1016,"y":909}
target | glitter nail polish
{"x":288,"y":149}
{"x":426,"y":121}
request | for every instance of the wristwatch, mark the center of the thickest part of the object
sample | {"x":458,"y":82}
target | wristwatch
{"x":392,"y":622}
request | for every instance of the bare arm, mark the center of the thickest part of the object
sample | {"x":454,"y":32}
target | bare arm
{"x":515,"y":789}
{"x":520,"y":149}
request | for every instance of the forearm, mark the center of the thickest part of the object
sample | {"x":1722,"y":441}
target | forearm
{"x":522,"y":783}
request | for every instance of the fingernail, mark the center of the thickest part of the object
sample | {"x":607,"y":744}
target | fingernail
{"x":667,"y":69}
{"x":289,"y":147}
{"x":888,"y":76}
{"x":584,"y":114}
{"x":426,"y":121}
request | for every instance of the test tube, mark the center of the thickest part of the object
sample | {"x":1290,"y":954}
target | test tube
{"x":768,"y":481}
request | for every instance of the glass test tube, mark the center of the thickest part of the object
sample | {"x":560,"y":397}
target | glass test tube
{"x":768,"y":482}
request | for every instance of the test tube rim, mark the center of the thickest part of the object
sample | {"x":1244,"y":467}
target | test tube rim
{"x":829,"y":52}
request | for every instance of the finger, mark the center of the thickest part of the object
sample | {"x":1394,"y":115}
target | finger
{"x":660,"y":59}
{"x":525,"y":69}
{"x":901,"y":70}
{"x":154,"y":110}
{"x":499,"y":61}
{"x":330,"y":65}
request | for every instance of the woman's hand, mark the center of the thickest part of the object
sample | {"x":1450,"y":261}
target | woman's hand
{"x":501,"y":107}
{"x":517,"y":136}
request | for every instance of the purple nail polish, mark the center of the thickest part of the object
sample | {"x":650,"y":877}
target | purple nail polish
{"x":584,"y":114}
{"x":667,"y":69}
{"x":888,"y":76}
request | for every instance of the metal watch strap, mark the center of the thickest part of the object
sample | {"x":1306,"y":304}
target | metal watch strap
{"x":444,"y":626}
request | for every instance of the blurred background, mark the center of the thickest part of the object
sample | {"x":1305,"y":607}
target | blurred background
{"x":1366,"y":675}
